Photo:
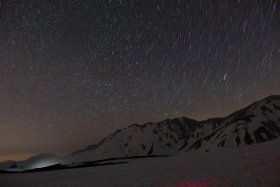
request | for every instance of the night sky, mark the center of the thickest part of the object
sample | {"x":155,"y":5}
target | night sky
{"x":73,"y":71}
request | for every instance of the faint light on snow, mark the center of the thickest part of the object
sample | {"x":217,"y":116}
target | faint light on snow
{"x":43,"y":163}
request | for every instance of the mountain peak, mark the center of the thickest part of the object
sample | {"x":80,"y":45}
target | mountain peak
{"x":259,"y":122}
{"x":256,"y":123}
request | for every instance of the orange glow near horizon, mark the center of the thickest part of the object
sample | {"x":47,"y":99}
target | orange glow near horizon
{"x":15,"y":156}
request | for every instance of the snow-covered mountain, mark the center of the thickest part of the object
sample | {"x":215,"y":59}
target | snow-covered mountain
{"x":257,"y":165}
{"x":162,"y":138}
{"x":6,"y":165}
{"x":37,"y":161}
{"x":256,"y":123}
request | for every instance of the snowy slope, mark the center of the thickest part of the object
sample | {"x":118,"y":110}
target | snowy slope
{"x":6,"y":164}
{"x":38,"y":161}
{"x":162,"y":138}
{"x":255,"y":166}
{"x":256,"y":123}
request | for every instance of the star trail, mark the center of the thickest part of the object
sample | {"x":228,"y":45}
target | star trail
{"x":73,"y":71}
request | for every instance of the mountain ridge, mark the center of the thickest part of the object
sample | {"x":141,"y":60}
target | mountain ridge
{"x":194,"y":127}
{"x":256,"y":123}
{"x":218,"y":119}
